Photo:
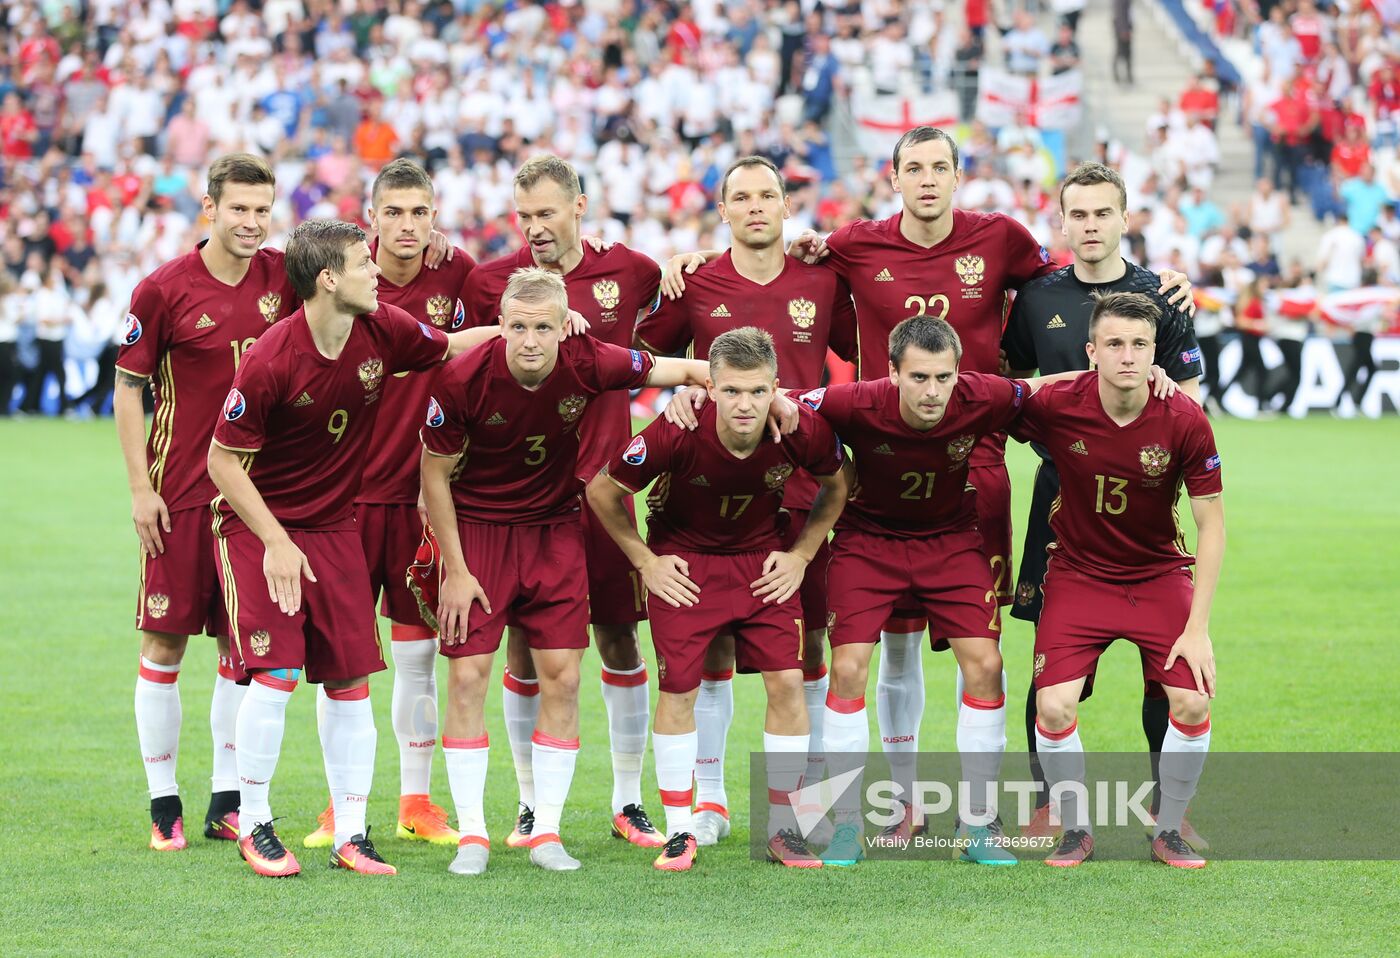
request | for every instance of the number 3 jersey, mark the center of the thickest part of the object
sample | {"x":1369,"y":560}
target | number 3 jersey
{"x":186,"y":331}
{"x":706,"y":499}
{"x":305,"y":422}
{"x":1116,"y":515}
{"x":520,"y":446}
{"x":910,"y":483}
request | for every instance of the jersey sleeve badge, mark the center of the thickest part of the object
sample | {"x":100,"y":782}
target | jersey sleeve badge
{"x":812,"y":398}
{"x":1213,"y":463}
{"x":131,"y":332}
{"x":234,"y":405}
{"x":636,"y":452}
{"x":435,"y":416}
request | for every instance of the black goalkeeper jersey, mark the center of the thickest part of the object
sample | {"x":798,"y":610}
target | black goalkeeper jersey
{"x":1049,"y":324}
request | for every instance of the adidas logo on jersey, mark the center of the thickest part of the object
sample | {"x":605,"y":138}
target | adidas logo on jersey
{"x":303,"y":400}
{"x":496,"y":420}
{"x":1078,"y":448}
{"x":884,"y":276}
{"x":720,"y":312}
{"x":1055,"y":322}
{"x":700,"y":481}
{"x":883,"y":450}
{"x":204,"y":322}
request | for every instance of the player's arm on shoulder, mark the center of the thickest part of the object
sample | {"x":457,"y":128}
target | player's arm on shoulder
{"x":1176,"y":287}
{"x":470,"y":338}
{"x":680,"y":266}
{"x":670,"y":371}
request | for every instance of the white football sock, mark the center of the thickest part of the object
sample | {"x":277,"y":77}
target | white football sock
{"x":466,"y":775}
{"x":846,"y":729}
{"x":554,"y":761}
{"x":814,"y":688}
{"x":413,"y":710}
{"x":625,"y":697}
{"x":262,"y":718}
{"x":899,"y":690}
{"x":520,"y":702}
{"x":714,"y":713}
{"x":981,"y":742}
{"x":158,"y":720}
{"x":223,"y":725}
{"x":348,"y":743}
{"x":1062,"y":761}
{"x":962,"y":686}
{"x":675,"y":770}
{"x":1179,"y":771}
{"x":786,"y":759}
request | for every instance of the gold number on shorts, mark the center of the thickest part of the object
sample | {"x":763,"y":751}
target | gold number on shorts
{"x":537,"y":451}
{"x":239,"y":348}
{"x":926,"y":304}
{"x":337,"y":423}
{"x":742,"y":503}
{"x":916,"y":481}
{"x":639,"y":591}
{"x":1117,"y":500}
{"x":999,"y":576}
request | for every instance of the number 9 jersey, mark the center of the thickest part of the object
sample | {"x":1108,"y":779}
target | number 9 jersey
{"x":187,"y":332}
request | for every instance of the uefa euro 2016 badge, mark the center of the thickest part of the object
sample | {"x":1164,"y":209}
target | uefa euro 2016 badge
{"x":636,"y":452}
{"x":439,"y":309}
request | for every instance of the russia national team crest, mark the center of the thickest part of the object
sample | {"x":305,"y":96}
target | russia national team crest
{"x":234,"y":405}
{"x":131,"y":332}
{"x":803,"y":313}
{"x":970,"y":270}
{"x":157,"y":604}
{"x":1025,"y":593}
{"x":606,"y":293}
{"x":260,"y":642}
{"x":439,"y":309}
{"x":571,"y":407}
{"x":270,"y":304}
{"x":1154,"y":460}
{"x":371,"y":373}
{"x":960,"y":447}
{"x":775,"y":477}
{"x":1039,"y":666}
{"x":435,"y":416}
{"x":636,"y":452}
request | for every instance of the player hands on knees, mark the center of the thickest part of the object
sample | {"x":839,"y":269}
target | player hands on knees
{"x":713,"y":563}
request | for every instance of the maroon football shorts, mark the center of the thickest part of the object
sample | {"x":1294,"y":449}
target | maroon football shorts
{"x":332,"y":636}
{"x":1083,"y":616}
{"x":180,"y":593}
{"x":615,"y":592}
{"x":813,"y":591}
{"x":534,"y":576}
{"x":993,"y":487}
{"x":767,"y":638}
{"x":390,"y":534}
{"x":944,"y":575}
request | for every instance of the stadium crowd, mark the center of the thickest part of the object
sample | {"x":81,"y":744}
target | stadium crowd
{"x":111,"y":111}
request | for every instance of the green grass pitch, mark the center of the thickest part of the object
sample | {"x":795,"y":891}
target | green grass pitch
{"x":1305,"y":633}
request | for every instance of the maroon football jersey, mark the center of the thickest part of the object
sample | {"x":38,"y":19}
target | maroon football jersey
{"x":434,"y":297}
{"x":806,"y":309}
{"x":963,"y":279}
{"x":520,"y":446}
{"x":308,"y":421}
{"x":706,"y":499}
{"x":1115,"y":517}
{"x":187,"y":330}
{"x":911,"y":483}
{"x":611,"y":290}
